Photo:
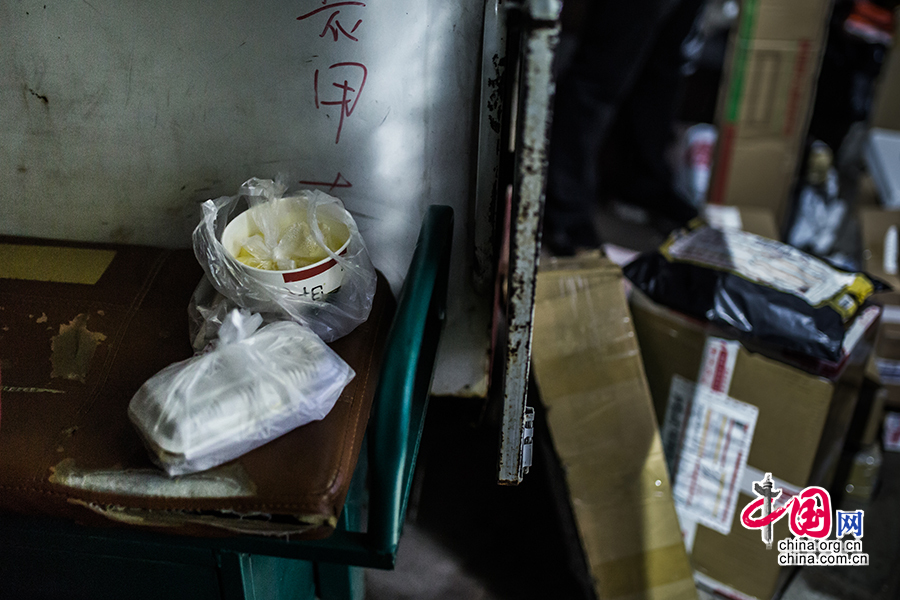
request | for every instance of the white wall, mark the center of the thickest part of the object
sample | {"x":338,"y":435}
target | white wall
{"x":117,"y":117}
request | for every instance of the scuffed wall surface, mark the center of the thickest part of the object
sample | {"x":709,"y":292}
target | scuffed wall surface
{"x":117,"y":117}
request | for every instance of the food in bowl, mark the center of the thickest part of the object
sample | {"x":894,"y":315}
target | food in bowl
{"x":276,"y":236}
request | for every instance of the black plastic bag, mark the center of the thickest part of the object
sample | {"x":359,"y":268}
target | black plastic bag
{"x":762,"y":289}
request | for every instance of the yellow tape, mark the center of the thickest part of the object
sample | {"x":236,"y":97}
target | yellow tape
{"x":849,"y":299}
{"x":862,"y":288}
{"x":53,"y":263}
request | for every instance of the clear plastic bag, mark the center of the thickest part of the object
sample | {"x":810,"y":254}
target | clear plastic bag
{"x":277,"y":228}
{"x":250,"y":387}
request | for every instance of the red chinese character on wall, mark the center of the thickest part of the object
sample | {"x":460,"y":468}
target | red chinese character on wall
{"x":339,"y":182}
{"x":350,"y":79}
{"x":333,"y":24}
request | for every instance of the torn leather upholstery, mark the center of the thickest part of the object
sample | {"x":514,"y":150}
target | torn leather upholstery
{"x":73,"y":355}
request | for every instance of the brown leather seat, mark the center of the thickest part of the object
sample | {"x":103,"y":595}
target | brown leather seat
{"x":73,"y":354}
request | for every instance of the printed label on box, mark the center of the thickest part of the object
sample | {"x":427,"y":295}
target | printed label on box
{"x":891,"y":432}
{"x":714,"y":443}
{"x":719,"y":358}
{"x":888,"y":371}
{"x":713,"y":457}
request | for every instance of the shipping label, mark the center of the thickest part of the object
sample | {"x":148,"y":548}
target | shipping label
{"x":891,"y":432}
{"x":713,"y":456}
{"x":712,"y":443}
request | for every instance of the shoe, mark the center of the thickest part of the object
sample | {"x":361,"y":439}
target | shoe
{"x":669,"y":211}
{"x":569,"y":241}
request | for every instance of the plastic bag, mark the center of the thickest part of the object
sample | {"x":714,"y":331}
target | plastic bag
{"x":283,"y":227}
{"x":819,"y":213}
{"x":249,"y":388}
{"x":765,"y":290}
{"x":817,"y":222}
{"x":695,"y":166}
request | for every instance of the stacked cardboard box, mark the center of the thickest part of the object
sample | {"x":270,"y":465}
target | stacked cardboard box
{"x":881,"y":260}
{"x":882,"y":389}
{"x":886,"y":109}
{"x":753,"y":219}
{"x":728,"y":416}
{"x":861,"y":464}
{"x":860,"y":468}
{"x":765,"y":101}
{"x":864,"y":473}
{"x":588,"y":367}
{"x":882,"y":153}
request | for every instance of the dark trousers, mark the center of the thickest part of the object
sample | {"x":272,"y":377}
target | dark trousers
{"x":627,"y":71}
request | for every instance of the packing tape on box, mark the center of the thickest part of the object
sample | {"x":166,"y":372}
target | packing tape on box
{"x":888,"y":371}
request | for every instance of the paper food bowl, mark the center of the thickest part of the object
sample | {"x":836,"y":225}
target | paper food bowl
{"x":312,"y":281}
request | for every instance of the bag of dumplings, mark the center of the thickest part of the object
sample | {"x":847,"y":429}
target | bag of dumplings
{"x":249,"y":387}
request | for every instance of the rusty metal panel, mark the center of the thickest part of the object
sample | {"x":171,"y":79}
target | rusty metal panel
{"x":534,"y":110}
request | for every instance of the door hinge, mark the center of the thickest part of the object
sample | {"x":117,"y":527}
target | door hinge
{"x":528,"y":438}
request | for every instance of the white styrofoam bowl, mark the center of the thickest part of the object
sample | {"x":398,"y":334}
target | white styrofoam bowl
{"x":312,"y":281}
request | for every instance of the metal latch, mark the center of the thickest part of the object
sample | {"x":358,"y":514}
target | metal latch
{"x":528,"y":438}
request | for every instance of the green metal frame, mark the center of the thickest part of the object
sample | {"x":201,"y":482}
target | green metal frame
{"x":394,"y":433}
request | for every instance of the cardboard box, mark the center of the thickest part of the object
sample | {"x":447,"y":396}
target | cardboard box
{"x":860,"y":465}
{"x":760,"y":221}
{"x":875,"y":224}
{"x":588,"y":367}
{"x":766,"y":417}
{"x":869,"y":413}
{"x":886,"y":107}
{"x":765,"y":101}
{"x":864,"y":473}
{"x":867,"y":191}
{"x":882,"y":152}
{"x":890,"y":436}
{"x":886,"y":357}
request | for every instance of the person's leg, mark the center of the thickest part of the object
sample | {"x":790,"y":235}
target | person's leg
{"x":647,"y":118}
{"x":615,"y":42}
